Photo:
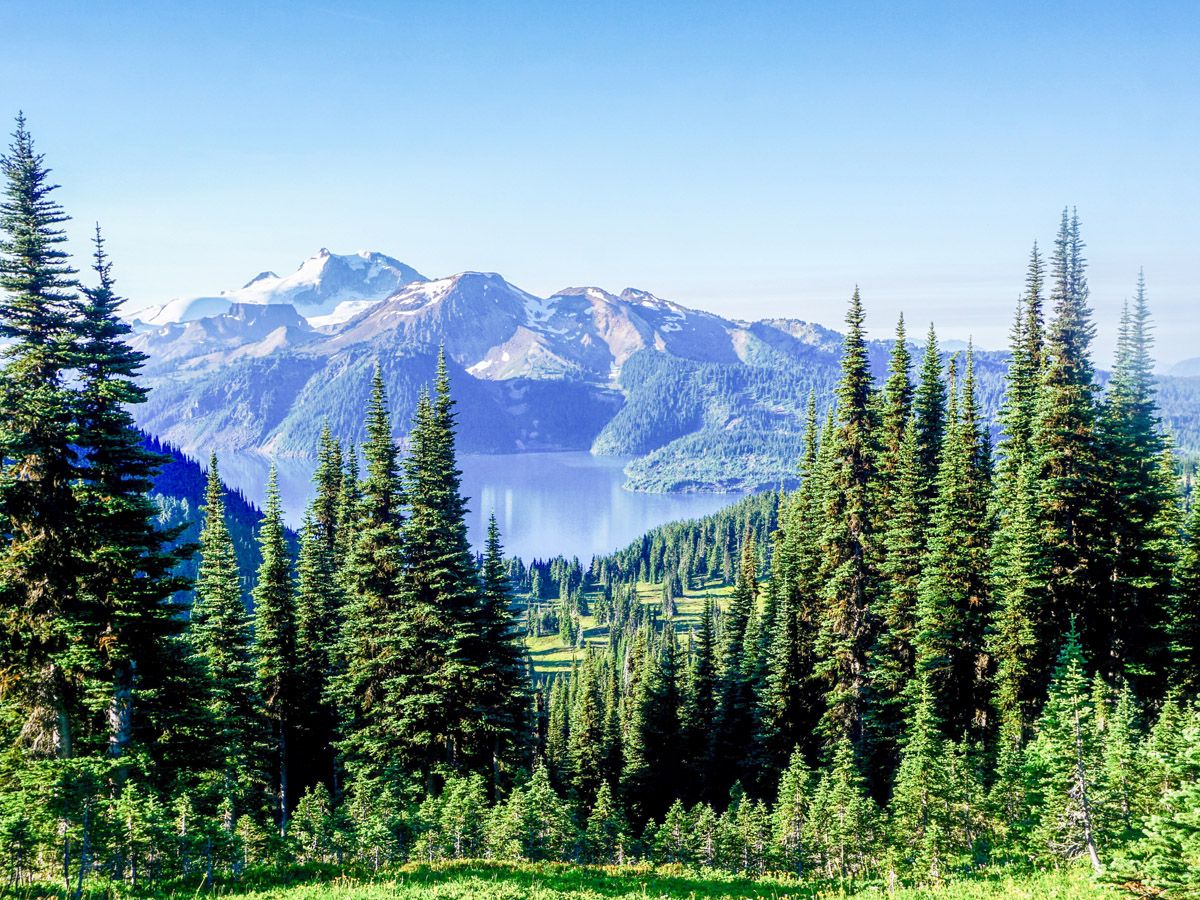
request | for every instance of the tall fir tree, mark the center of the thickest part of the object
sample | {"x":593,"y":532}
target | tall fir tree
{"x":952,"y":597}
{"x":1140,"y":554}
{"x":439,"y":624}
{"x":850,"y":562}
{"x":38,"y":515}
{"x":125,"y":561}
{"x":1068,"y":466}
{"x":929,"y":411}
{"x":374,"y":732}
{"x":278,"y":679}
{"x":1184,"y":630}
{"x":500,"y":680}
{"x":221,"y":639}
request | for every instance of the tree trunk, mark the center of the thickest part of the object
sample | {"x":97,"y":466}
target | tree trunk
{"x":1085,"y":803}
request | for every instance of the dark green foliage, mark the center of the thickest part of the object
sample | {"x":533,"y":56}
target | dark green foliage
{"x":278,"y":679}
{"x":850,"y":565}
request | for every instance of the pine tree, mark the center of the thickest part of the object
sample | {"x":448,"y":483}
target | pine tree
{"x":38,"y":516}
{"x":1068,"y":464}
{"x":843,"y":822}
{"x":500,"y":679}
{"x":735,"y":724}
{"x":893,"y":659}
{"x":439,"y":622}
{"x":125,"y":559}
{"x":1062,"y":764}
{"x":896,"y":405}
{"x":701,"y":710}
{"x":922,"y":805}
{"x":951,"y":606}
{"x":220,"y":638}
{"x":607,"y":830}
{"x":791,"y":815}
{"x":275,"y":642}
{"x":1140,"y":554}
{"x":929,"y":411}
{"x":1019,"y":567}
{"x":375,"y":734}
{"x":654,"y":747}
{"x":850,"y":565}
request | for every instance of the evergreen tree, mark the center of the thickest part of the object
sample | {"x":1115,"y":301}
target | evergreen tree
{"x":38,"y":515}
{"x":843,"y":822}
{"x":275,"y":642}
{"x":654,"y":748}
{"x":922,"y":809}
{"x":439,"y":621}
{"x":791,"y":815}
{"x":1068,"y":461}
{"x":1184,"y":630}
{"x":893,"y":659}
{"x":1140,"y":554}
{"x":220,"y":637}
{"x":1019,"y":567}
{"x":607,"y":830}
{"x":850,"y":566}
{"x":1063,"y":766}
{"x":376,"y":734}
{"x":500,"y":679}
{"x":951,"y":606}
{"x":701,"y":711}
{"x":735,"y":724}
{"x":929,"y":412}
{"x":125,"y":560}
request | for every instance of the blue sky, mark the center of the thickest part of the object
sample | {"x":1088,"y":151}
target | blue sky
{"x":753,"y":159}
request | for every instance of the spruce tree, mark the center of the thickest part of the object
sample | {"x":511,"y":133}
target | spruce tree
{"x":275,"y":643}
{"x":1140,"y":554}
{"x":929,"y":411}
{"x":735,"y":725}
{"x":791,"y":814}
{"x":38,"y":515}
{"x":1184,"y":630}
{"x":125,"y":562}
{"x":893,"y":659}
{"x":701,"y":709}
{"x":500,"y":680}
{"x":952,"y":598}
{"x":439,"y":621}
{"x":1068,"y":464}
{"x":1062,"y":764}
{"x":220,"y":636}
{"x":376,"y":735}
{"x":850,"y":554}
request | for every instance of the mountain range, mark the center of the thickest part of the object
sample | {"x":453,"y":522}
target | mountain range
{"x":700,"y":401}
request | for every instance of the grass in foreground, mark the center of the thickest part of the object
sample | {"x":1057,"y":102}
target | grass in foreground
{"x":551,"y":881}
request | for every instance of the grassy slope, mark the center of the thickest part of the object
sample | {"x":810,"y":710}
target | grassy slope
{"x":549,"y":654}
{"x":551,"y":881}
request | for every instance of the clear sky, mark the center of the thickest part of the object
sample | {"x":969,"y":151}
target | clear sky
{"x":750,"y":158}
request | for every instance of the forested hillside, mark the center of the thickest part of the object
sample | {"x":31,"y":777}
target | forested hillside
{"x":178,"y":491}
{"x":942,"y":657}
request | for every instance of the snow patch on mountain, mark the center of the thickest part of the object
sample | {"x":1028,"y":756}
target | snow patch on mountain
{"x":328,"y":288}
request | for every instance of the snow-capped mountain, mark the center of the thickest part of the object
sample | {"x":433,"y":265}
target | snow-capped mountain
{"x":327,"y":289}
{"x":624,"y":373}
{"x":701,"y":401}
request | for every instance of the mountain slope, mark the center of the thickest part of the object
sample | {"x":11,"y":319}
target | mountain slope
{"x":702,"y":402}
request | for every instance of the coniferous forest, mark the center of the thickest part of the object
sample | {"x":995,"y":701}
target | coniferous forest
{"x":947,"y":654}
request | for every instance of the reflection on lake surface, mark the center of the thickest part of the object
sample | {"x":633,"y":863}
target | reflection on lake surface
{"x":545,"y":503}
